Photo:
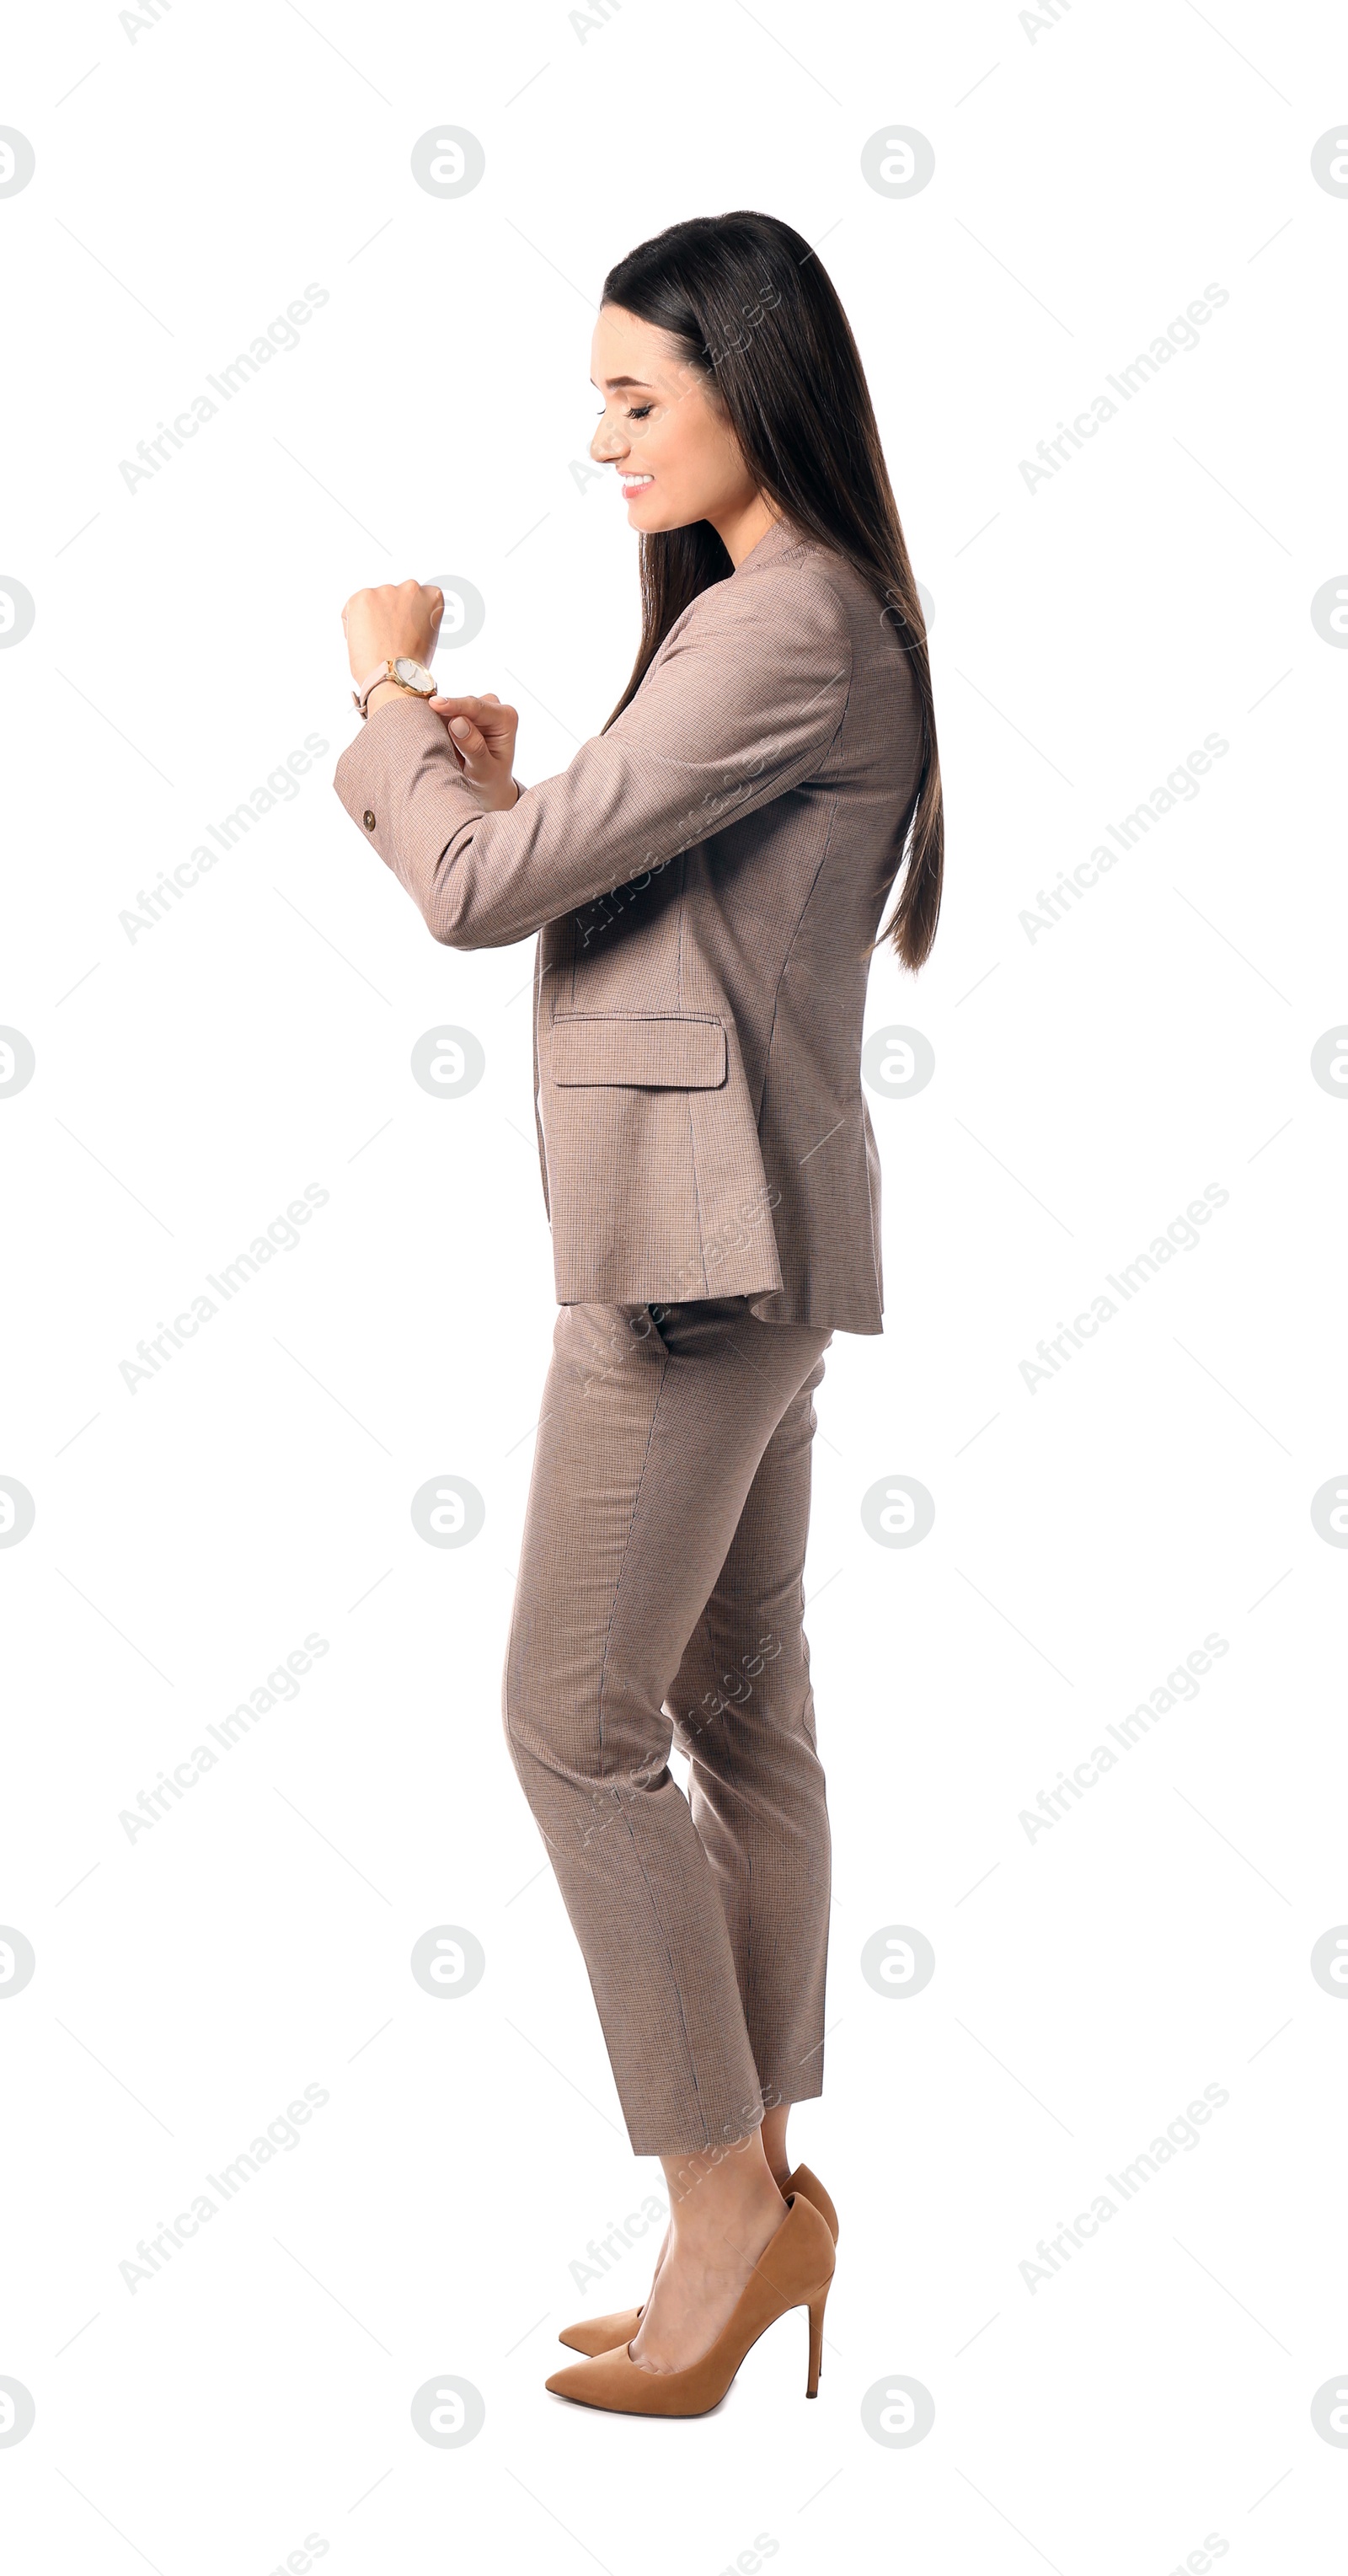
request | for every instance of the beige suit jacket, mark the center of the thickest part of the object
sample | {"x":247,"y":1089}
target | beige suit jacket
{"x":707,"y":877}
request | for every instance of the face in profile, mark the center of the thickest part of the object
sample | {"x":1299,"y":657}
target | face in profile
{"x":662,"y":428}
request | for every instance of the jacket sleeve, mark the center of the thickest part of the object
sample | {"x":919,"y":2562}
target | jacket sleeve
{"x":740,"y":704}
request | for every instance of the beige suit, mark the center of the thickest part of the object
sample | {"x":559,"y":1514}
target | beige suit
{"x":708,"y":877}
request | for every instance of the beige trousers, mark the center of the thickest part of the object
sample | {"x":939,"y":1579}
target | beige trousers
{"x":659,"y":1599}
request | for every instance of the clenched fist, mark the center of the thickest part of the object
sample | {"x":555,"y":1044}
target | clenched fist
{"x":402,"y":617}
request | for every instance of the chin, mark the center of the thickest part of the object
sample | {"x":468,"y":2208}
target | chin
{"x":660,"y":519}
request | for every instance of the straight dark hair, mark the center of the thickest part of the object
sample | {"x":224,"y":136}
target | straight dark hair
{"x":756,"y":316}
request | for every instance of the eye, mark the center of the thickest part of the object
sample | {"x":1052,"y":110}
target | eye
{"x":644,"y":412}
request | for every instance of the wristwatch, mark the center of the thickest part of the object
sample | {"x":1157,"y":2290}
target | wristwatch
{"x":406,"y":674}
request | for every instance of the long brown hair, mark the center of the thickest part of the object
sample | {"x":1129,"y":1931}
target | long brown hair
{"x":755,"y":314}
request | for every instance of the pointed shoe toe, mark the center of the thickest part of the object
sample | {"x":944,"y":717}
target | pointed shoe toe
{"x":601,"y":2380}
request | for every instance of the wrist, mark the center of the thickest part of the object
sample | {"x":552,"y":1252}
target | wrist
{"x":401,"y":671}
{"x":384,"y":691}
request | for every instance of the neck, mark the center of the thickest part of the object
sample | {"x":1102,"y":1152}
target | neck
{"x":739,"y":529}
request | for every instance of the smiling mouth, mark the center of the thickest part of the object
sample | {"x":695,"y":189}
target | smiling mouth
{"x":636,"y":482}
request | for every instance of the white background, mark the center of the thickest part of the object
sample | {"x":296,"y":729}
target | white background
{"x":1093,"y":175}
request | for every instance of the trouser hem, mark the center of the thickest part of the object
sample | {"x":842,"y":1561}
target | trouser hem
{"x":703,"y":2146}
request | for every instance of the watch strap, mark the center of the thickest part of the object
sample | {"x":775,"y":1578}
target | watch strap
{"x":360,"y":698}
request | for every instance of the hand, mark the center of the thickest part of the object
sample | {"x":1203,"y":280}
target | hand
{"x":482,"y":735}
{"x":401,"y":618}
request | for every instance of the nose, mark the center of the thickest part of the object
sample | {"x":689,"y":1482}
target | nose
{"x":608,"y":443}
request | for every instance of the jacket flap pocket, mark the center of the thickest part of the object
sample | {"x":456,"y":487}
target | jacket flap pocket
{"x":662,"y":1054}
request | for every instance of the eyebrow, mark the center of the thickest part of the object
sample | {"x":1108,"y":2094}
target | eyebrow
{"x":613,"y":382}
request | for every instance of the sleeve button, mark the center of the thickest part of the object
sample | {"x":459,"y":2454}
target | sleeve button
{"x":368,"y":820}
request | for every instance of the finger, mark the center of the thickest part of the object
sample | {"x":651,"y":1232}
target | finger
{"x":490,"y":717}
{"x":478,"y":712}
{"x":478,"y":761}
{"x":463,"y":734}
{"x":471,"y":705}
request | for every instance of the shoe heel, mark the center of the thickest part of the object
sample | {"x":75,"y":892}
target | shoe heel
{"x":816,"y":2340}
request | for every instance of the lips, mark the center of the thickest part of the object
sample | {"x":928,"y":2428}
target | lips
{"x":636,"y":482}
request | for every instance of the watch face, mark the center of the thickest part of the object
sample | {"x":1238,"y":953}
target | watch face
{"x":412,"y":674}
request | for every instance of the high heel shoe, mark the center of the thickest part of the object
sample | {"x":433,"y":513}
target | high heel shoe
{"x":793,"y":2271}
{"x":593,"y":2335}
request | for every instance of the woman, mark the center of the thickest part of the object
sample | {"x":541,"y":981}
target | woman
{"x":708,"y":877}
